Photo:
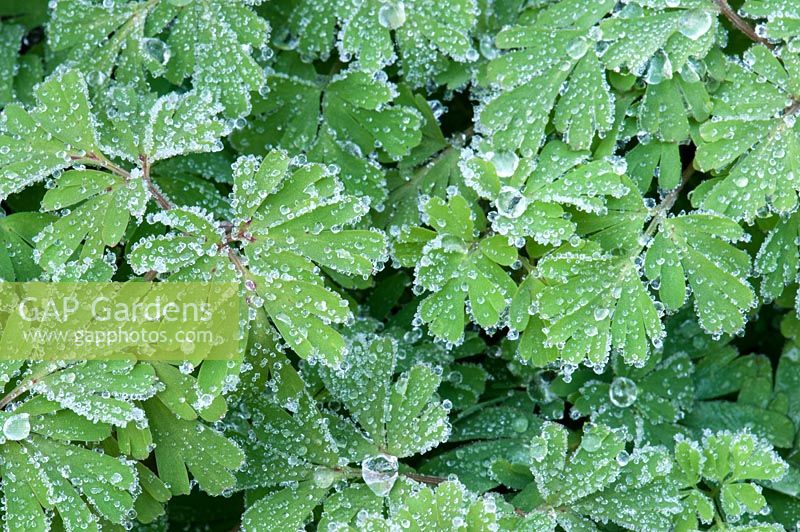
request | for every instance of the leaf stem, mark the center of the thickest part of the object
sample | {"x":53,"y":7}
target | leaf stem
{"x":669,"y":201}
{"x":158,"y":196}
{"x":27,"y":384}
{"x":740,"y":24}
{"x":102,"y":162}
{"x":792,"y":108}
{"x":425,"y":479}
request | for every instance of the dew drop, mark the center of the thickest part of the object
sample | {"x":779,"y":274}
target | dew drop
{"x":324,"y":477}
{"x":511,"y":203}
{"x":505,"y":163}
{"x":600,"y":314}
{"x":659,"y":69}
{"x":695,"y":23}
{"x":538,"y":448}
{"x":623,"y":392}
{"x":392,"y":15}
{"x":593,"y":440}
{"x":157,"y":49}
{"x":623,"y":458}
{"x":520,"y":424}
{"x":17,"y":427}
{"x":379,"y":473}
{"x":577,"y":48}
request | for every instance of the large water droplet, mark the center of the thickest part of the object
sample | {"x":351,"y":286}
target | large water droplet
{"x":17,"y":427}
{"x":659,"y":69}
{"x":157,"y":49}
{"x":505,"y":163}
{"x":692,"y":71}
{"x":324,"y":477}
{"x":623,"y":392}
{"x":623,"y":458}
{"x":600,"y":313}
{"x":593,"y":438}
{"x":577,"y":48}
{"x":695,"y":23}
{"x":511,"y":203}
{"x":520,"y":424}
{"x":392,"y":15}
{"x":538,"y":448}
{"x":379,"y":473}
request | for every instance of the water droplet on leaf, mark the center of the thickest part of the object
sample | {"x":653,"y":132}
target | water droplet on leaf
{"x":379,"y":473}
{"x":505,"y":163}
{"x":623,"y":458}
{"x":392,"y":15}
{"x":324,"y":477}
{"x":511,"y":203}
{"x":593,"y":439}
{"x":17,"y":427}
{"x":695,"y":23}
{"x":157,"y":49}
{"x":577,"y":48}
{"x":520,"y":424}
{"x":538,"y":448}
{"x":623,"y":392}
{"x":600,"y":314}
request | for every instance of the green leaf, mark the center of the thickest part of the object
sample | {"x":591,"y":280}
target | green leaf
{"x":101,"y":391}
{"x":532,"y":345}
{"x":682,"y":250}
{"x":10,"y":40}
{"x":554,"y":49}
{"x":448,"y":506}
{"x":600,"y":480}
{"x":750,"y":140}
{"x":36,"y":143}
{"x":182,"y":444}
{"x":297,"y":217}
{"x":286,"y":509}
{"x":434,"y":178}
{"x":588,"y":91}
{"x":740,"y":456}
{"x":583,"y":321}
{"x":727,"y":460}
{"x":777,"y":259}
{"x":529,"y":195}
{"x":775,"y":427}
{"x":663,"y":111}
{"x":471,"y":463}
{"x":781,"y":23}
{"x":676,"y":34}
{"x":424,"y":38}
{"x":642,"y":400}
{"x":137,"y":125}
{"x":105,"y":204}
{"x":210,"y":41}
{"x":655,"y":158}
{"x":400,"y":417}
{"x":16,"y":236}
{"x":740,"y":498}
{"x":90,"y":485}
{"x":458,"y":268}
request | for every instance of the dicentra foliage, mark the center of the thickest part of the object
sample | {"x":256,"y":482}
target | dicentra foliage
{"x":507,"y":264}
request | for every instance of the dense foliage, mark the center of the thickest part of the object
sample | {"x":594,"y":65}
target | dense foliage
{"x":508,"y":264}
